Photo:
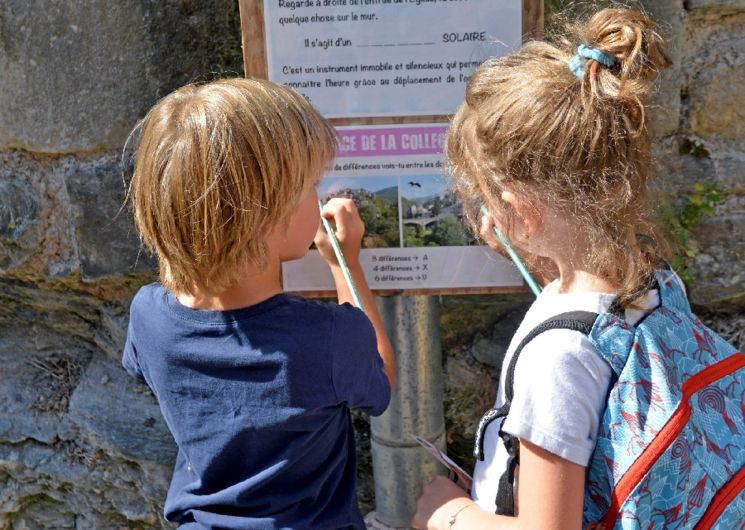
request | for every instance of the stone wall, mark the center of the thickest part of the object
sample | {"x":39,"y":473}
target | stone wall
{"x":82,"y":445}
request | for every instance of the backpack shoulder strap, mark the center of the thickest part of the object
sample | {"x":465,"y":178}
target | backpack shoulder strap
{"x":581,"y":321}
{"x":671,"y":290}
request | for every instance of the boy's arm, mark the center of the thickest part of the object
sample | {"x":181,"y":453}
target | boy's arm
{"x":349,"y":232}
{"x":385,"y":349}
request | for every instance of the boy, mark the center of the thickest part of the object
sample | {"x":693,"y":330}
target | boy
{"x":254,"y":384}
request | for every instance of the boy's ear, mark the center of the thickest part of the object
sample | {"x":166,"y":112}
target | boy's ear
{"x":527,"y":212}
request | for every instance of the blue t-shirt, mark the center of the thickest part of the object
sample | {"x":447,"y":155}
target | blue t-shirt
{"x":258,"y":401}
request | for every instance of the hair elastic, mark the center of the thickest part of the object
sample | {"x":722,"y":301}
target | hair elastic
{"x":578,"y":62}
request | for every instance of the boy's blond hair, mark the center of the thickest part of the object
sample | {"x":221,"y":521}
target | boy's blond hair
{"x":218,"y":167}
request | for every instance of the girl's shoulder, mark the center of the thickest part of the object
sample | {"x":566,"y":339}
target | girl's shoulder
{"x":551,"y":303}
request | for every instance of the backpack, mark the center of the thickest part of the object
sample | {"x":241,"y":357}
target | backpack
{"x":670,"y":450}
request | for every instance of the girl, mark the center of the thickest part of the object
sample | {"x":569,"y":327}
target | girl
{"x":554,"y":141}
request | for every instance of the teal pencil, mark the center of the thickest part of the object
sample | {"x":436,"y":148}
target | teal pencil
{"x":515,"y":258}
{"x":341,"y":260}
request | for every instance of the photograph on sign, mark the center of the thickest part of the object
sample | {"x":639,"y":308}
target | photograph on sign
{"x":377,"y":201}
{"x":358,"y":58}
{"x":431,"y":213}
{"x":415,"y":237}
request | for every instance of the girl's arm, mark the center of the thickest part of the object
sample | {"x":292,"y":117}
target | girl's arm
{"x":551,"y":496}
{"x":349,"y":232}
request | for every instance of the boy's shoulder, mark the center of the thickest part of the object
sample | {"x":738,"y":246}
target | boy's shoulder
{"x":147,"y":292}
{"x":153,"y":297}
{"x":343,"y":315}
{"x":344,"y":325}
{"x":148,"y":298}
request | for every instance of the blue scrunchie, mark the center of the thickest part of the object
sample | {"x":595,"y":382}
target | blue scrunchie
{"x":578,"y":62}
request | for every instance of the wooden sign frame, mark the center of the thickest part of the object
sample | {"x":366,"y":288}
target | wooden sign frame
{"x":253,"y":39}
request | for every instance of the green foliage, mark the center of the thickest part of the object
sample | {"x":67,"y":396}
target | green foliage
{"x":446,"y":232}
{"x":381,"y":222}
{"x":681,"y":220}
{"x":436,"y":206}
{"x":414,"y":236}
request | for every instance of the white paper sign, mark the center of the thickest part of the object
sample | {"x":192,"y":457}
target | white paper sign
{"x":414,"y":235}
{"x":355,"y":58}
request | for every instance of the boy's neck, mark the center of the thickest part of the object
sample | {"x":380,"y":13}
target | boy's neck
{"x":257,"y":286}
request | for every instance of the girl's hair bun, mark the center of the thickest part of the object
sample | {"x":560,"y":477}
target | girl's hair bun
{"x":632,"y":40}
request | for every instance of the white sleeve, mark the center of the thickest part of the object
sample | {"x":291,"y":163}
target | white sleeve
{"x":561,"y":385}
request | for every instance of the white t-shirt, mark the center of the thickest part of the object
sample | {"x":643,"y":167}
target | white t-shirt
{"x":560,"y":389}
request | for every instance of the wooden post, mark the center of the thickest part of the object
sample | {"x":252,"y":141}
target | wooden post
{"x":253,"y":38}
{"x":532,"y":19}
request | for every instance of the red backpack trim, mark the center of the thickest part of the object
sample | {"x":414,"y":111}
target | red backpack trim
{"x":666,"y":436}
{"x":721,"y":500}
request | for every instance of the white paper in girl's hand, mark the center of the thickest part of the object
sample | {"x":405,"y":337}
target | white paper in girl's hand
{"x":455,"y":472}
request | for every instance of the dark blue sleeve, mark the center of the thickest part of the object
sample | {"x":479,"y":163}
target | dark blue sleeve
{"x":358,"y":375}
{"x":129,"y":356}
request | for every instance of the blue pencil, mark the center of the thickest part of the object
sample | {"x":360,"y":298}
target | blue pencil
{"x":515,"y":258}
{"x":341,"y":260}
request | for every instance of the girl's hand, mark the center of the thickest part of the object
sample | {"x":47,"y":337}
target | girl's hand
{"x":486,"y":231}
{"x":349,"y":231}
{"x":440,"y":499}
{"x":543,"y":269}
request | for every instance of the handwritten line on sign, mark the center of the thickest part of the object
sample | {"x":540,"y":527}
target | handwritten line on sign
{"x":401,"y":44}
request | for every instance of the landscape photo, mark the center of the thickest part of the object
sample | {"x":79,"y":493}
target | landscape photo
{"x":431,"y":214}
{"x":377,"y":201}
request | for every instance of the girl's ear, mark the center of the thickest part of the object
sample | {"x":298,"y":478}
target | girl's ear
{"x":528,"y":213}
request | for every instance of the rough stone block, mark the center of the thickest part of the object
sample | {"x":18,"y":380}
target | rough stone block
{"x":665,"y":104}
{"x":673,"y":174}
{"x":75,"y":80}
{"x":36,"y":236}
{"x":96,"y":491}
{"x":118,"y":414}
{"x":702,"y":4}
{"x":77,"y":75}
{"x":719,"y":267}
{"x":680,"y":163}
{"x":19,"y":209}
{"x":34,"y":391}
{"x":105,"y":232}
{"x":714,"y":68}
{"x":730,"y":170}
{"x":112,"y":331}
{"x":49,"y":319}
{"x":61,"y":215}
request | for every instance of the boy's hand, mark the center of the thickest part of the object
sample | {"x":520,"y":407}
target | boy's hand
{"x":349,"y":231}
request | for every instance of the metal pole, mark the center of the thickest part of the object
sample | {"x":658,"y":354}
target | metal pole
{"x":400,"y":466}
